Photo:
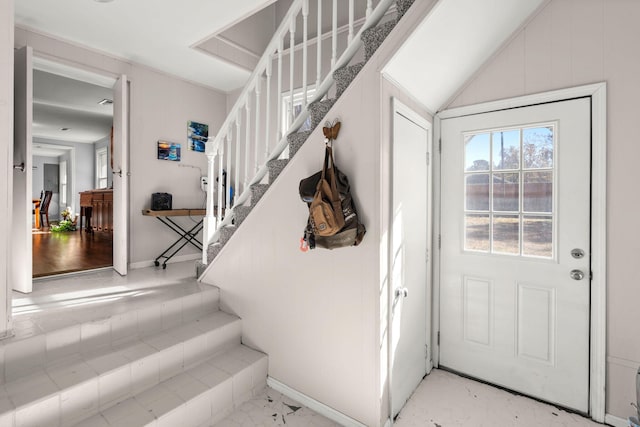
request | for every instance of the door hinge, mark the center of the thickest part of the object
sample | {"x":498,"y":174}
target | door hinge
{"x":440,"y":145}
{"x":439,"y":241}
{"x":428,"y":159}
{"x":438,"y":338}
{"x":426,"y":351}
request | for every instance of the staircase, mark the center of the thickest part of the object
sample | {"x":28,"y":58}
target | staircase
{"x":376,"y":28}
{"x":166,"y":356}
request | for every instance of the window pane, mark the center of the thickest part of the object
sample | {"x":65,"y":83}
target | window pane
{"x":537,"y":239}
{"x":506,"y":230}
{"x":477,"y":192}
{"x":537,"y":146}
{"x":476,"y":236}
{"x":476,"y":152}
{"x":537,"y":191}
{"x":506,"y":192}
{"x":506,"y":149}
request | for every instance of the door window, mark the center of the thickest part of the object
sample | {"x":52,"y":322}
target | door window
{"x":509,"y":191}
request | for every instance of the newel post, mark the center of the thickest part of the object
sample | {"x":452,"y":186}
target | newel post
{"x":209,"y":222}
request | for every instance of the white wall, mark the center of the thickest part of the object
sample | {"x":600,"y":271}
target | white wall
{"x":6,"y":153}
{"x":572,"y":43}
{"x":160,"y":106}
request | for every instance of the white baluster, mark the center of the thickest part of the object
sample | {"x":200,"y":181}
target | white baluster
{"x":369,"y":8}
{"x":237,"y":179}
{"x":279,"y":94}
{"x":257,"y":130}
{"x":319,"y":46}
{"x":350,"y":21}
{"x":227,"y":204}
{"x":305,"y":38}
{"x":219,"y":215}
{"x":247,"y":145}
{"x":334,"y":34}
{"x":292,"y":50}
{"x":267,"y":124}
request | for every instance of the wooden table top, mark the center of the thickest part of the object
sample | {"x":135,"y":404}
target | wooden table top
{"x":175,"y":212}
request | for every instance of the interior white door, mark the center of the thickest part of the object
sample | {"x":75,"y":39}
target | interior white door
{"x":120,"y":175}
{"x":515,"y":262}
{"x":410,"y":239}
{"x":20,"y":267}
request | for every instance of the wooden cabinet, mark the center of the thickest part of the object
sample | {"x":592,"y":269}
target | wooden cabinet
{"x":96,"y":206}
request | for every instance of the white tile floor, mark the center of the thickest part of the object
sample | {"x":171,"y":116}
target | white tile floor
{"x":444,"y":399}
{"x":271,"y":408}
{"x":441,"y":400}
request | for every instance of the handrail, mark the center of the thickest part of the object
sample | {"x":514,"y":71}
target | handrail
{"x":216,"y":147}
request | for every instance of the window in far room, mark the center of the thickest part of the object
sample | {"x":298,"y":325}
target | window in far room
{"x":101,"y":167}
{"x":63,"y":183}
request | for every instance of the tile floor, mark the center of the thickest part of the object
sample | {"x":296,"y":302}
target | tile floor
{"x":272,"y":408}
{"x":442,"y":399}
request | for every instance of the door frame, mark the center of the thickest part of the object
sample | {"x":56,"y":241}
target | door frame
{"x":598,"y":310}
{"x":398,"y":107}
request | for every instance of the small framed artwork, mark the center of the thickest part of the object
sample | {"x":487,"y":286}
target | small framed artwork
{"x":197,"y":136}
{"x":168,"y":151}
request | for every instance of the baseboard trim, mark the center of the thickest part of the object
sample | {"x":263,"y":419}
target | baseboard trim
{"x":177,"y":258}
{"x":313,"y":404}
{"x":614,"y":421}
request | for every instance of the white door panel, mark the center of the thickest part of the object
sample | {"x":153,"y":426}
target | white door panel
{"x":515,"y":203}
{"x":120,"y":175}
{"x":410,"y":237}
{"x":20,"y":268}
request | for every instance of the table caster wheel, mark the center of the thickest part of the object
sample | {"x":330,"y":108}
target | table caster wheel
{"x":156,"y":263}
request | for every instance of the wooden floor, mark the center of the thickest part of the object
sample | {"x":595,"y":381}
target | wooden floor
{"x":66,"y":252}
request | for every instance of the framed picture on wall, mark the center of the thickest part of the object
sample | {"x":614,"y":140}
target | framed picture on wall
{"x":197,"y":136}
{"x":168,"y":151}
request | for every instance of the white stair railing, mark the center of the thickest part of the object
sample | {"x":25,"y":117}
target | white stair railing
{"x":233,"y":147}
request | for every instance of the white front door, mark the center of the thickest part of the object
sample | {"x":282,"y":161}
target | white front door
{"x":410,"y":240}
{"x":515,"y":259}
{"x":120,"y":175}
{"x":20,"y":267}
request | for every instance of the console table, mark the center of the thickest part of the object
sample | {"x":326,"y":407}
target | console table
{"x":189,"y":236}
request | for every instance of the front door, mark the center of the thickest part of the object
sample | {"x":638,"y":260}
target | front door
{"x":410,"y":242}
{"x":515,"y":258}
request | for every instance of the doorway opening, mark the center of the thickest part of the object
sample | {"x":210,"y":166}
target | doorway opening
{"x":71,"y":140}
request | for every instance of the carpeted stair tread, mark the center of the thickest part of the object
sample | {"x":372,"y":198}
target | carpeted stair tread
{"x":257,"y":191}
{"x":344,"y":76}
{"x":373,"y":37}
{"x":240,"y":213}
{"x":402,"y":6}
{"x":275,"y":168}
{"x":226,"y":233}
{"x":296,"y":140}
{"x":318,"y":111}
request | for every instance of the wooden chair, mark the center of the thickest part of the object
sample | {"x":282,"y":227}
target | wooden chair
{"x":36,"y":210}
{"x":44,"y":207}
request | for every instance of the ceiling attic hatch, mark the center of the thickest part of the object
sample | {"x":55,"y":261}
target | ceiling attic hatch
{"x":243,"y":43}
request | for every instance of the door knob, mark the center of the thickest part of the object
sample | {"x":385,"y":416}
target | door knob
{"x":402,"y":292}
{"x":576,"y":274}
